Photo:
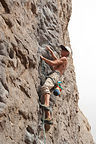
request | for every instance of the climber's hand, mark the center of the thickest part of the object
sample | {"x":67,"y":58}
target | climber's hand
{"x":48,"y":48}
{"x":41,"y":57}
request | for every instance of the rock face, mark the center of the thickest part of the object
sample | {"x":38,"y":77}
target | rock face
{"x":26,"y":27}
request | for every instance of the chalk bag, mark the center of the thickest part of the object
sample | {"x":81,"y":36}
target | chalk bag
{"x":58,"y":89}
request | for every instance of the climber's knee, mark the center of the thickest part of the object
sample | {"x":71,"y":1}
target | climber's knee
{"x":45,"y":90}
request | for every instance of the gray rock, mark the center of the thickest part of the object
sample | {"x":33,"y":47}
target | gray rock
{"x":29,"y":138}
{"x":2,"y":109}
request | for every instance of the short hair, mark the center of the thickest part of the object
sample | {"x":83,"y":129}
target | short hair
{"x":63,"y":48}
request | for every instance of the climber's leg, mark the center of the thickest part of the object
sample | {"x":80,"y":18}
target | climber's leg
{"x":48,"y":118}
{"x":46,"y":100}
{"x":45,"y":92}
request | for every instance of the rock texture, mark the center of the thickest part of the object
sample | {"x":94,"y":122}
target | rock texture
{"x":26,"y":27}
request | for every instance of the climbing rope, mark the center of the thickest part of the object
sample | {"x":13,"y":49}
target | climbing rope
{"x":43,"y":125}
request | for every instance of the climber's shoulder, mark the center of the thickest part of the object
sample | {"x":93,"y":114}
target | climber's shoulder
{"x":64,"y":59}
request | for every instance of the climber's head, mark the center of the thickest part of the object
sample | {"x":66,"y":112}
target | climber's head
{"x":65,"y":51}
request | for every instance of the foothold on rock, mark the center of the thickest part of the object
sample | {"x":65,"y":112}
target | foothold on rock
{"x":5,"y":5}
{"x":2,"y":109}
{"x":30,"y":130}
{"x":24,"y":114}
{"x":29,"y":138}
{"x":33,"y":8}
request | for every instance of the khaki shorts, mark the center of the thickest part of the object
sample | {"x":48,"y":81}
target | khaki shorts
{"x":50,"y":82}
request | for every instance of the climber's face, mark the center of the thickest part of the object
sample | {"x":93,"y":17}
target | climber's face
{"x":64,"y":53}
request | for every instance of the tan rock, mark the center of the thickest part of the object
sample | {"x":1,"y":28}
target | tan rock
{"x":26,"y":27}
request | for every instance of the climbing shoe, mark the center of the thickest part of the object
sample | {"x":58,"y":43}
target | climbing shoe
{"x":44,"y":106}
{"x":47,"y":121}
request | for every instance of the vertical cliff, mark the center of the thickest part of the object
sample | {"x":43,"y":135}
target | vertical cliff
{"x":26,"y":27}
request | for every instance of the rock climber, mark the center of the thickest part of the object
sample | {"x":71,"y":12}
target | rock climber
{"x":59,"y":66}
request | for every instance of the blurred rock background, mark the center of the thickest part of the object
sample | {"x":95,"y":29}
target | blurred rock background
{"x":26,"y":27}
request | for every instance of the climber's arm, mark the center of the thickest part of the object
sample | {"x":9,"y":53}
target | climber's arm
{"x":52,"y":53}
{"x":52,"y":63}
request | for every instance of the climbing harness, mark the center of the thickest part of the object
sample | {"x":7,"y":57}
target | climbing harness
{"x":53,"y":80}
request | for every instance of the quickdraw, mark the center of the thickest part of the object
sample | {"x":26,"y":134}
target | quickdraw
{"x":58,"y":89}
